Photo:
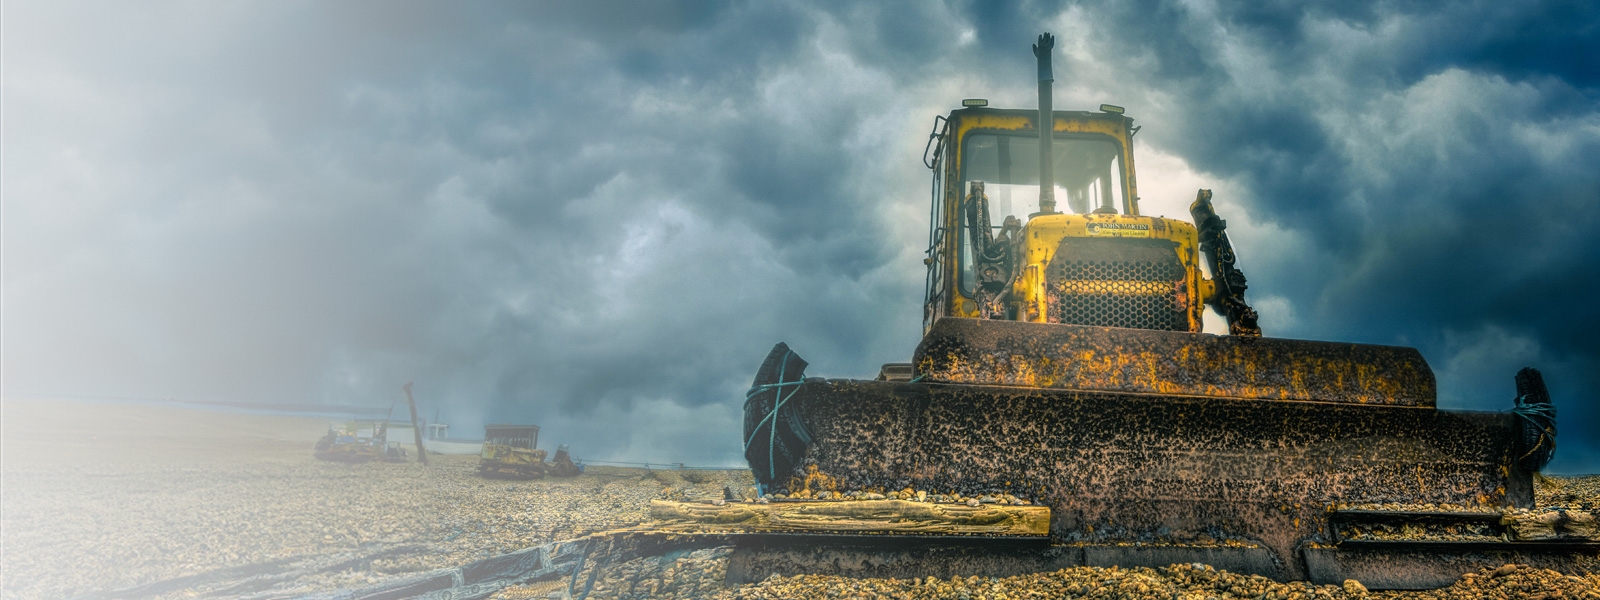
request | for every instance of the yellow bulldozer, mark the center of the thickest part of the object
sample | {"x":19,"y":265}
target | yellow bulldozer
{"x":354,"y":442}
{"x":1064,"y":363}
{"x":511,"y":450}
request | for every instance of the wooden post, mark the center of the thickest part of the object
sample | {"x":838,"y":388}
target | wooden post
{"x":422,"y":453}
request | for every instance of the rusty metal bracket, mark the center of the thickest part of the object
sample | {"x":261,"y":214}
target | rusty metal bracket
{"x":935,"y":143}
{"x":1229,"y":299}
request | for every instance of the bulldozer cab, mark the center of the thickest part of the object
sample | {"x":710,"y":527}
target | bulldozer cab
{"x":1001,"y":249}
{"x":515,"y":436}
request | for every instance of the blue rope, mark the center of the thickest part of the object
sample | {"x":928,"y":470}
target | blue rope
{"x":1528,"y":410}
{"x":762,"y":388}
{"x":771,"y":419}
{"x":1542,"y":415}
{"x":1539,"y":414}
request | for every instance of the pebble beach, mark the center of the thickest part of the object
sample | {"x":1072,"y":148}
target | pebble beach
{"x":99,"y":497}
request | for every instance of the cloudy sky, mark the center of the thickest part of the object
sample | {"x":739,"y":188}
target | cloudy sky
{"x":598,"y":216}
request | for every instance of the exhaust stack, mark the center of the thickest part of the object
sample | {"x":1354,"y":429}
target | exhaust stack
{"x":1047,"y":121}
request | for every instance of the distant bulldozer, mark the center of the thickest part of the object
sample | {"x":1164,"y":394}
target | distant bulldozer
{"x":511,"y":450}
{"x":350,"y":442}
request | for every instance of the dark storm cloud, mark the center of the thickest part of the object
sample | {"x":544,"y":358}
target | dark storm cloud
{"x":598,"y":216}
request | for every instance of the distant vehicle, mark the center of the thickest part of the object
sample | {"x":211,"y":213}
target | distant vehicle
{"x":511,"y":450}
{"x":346,"y":443}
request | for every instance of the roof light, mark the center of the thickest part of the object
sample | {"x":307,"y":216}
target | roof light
{"x":1111,"y":108}
{"x":974,"y":103}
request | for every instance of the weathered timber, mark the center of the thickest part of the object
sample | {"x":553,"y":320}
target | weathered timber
{"x":1551,"y":525}
{"x":416,"y":428}
{"x":865,"y":516}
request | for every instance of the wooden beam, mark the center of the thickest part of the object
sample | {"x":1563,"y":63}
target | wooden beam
{"x":422,"y":453}
{"x":865,"y":516}
{"x":1550,"y":525}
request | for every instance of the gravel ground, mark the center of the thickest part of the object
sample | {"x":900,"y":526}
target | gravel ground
{"x":1196,"y":582}
{"x":1577,"y":493}
{"x":99,"y":497}
{"x":105,"y":496}
{"x":699,"y":574}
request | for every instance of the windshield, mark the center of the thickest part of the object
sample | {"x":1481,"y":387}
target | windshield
{"x":1088,"y":174}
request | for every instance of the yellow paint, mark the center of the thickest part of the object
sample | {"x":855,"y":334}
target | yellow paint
{"x":1116,"y":287}
{"x":1044,"y":233}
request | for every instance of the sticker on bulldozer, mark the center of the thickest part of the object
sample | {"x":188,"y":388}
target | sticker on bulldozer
{"x":1118,"y":229}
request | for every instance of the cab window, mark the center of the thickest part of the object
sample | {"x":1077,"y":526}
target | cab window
{"x":1088,"y":176}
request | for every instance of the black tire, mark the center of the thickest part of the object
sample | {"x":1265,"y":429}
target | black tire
{"x":1536,"y":426}
{"x":774,"y":446}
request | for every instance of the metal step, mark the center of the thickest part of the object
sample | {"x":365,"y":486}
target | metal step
{"x":1437,"y":530}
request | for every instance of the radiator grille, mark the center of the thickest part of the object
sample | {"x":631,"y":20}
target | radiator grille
{"x":1137,"y":284}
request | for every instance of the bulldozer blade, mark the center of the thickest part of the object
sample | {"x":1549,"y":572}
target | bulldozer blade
{"x":1119,"y":467}
{"x":1173,"y":363}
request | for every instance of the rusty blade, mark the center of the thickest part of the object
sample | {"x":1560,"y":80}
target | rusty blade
{"x":1076,"y":357}
{"x":1116,"y":467}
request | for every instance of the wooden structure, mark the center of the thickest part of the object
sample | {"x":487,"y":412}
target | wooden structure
{"x":855,"y":517}
{"x":416,"y":429}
